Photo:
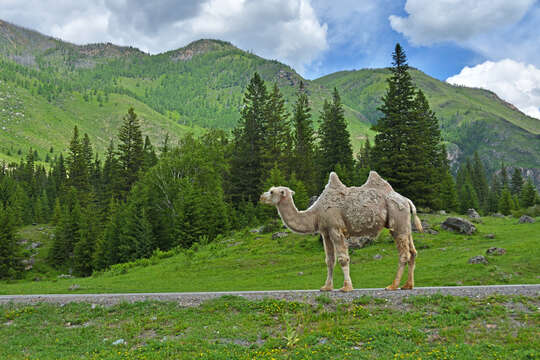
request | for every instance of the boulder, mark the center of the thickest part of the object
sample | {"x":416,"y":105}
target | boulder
{"x":442,"y":212}
{"x":458,"y":225}
{"x":431,"y":231}
{"x":257,"y":230}
{"x":473,"y":214}
{"x":495,"y":251}
{"x":358,"y":242}
{"x":479,"y":259}
{"x":490,"y":236}
{"x":377,"y":257}
{"x":498,"y":215}
{"x":279,"y":235}
{"x":525,"y":219}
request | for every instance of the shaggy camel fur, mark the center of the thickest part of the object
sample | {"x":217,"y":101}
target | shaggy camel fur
{"x":342,"y":211}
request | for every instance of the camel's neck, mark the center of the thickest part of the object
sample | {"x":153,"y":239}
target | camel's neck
{"x":304,"y":222}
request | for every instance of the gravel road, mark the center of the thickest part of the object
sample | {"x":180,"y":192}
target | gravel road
{"x":196,"y":298}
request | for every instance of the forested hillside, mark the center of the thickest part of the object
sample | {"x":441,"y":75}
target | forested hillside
{"x":48,"y":85}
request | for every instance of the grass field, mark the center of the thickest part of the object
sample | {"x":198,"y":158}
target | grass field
{"x":252,"y":261}
{"x":434,"y":327}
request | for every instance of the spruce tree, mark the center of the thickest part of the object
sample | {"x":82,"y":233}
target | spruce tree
{"x":112,"y":181}
{"x":517,"y":182}
{"x":479,"y":180}
{"x":492,"y":205}
{"x":335,"y":141}
{"x":505,"y":202}
{"x":504,"y":177}
{"x":277,"y":132}
{"x":130,"y":149}
{"x":150,"y":157}
{"x":447,"y":193}
{"x":247,"y":154}
{"x":407,"y":150}
{"x":84,"y":248}
{"x":467,"y":197}
{"x":10,"y":251}
{"x":77,"y":163}
{"x":528,"y":194}
{"x":303,"y":138}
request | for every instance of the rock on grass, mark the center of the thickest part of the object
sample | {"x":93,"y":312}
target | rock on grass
{"x":458,"y":225}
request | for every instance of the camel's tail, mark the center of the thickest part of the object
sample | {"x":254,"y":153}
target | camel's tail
{"x":416,"y":220}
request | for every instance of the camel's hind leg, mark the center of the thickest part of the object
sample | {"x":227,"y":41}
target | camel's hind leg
{"x":410,"y":280}
{"x":402,"y":242}
{"x":330,"y":262}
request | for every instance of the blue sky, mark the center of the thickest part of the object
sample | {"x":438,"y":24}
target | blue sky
{"x":493,"y":44}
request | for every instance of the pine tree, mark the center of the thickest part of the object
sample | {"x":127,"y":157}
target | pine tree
{"x":335,"y":141}
{"x":505,"y":202}
{"x":130,"y":149}
{"x":107,"y":247}
{"x":479,"y":180}
{"x":10,"y":251}
{"x":504,"y":177}
{"x":247,"y":154}
{"x":447,"y":193}
{"x":467,"y":197}
{"x":517,"y":182}
{"x":165,"y":147}
{"x":300,"y":197}
{"x":407,"y":149}
{"x":528,"y":195}
{"x":277,"y":132}
{"x":150,"y":157}
{"x":85,"y":246}
{"x":303,"y":138}
{"x":494,"y":194}
{"x":77,"y":163}
{"x":112,"y":181}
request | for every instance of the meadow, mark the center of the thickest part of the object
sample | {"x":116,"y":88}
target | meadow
{"x":423,"y":327}
{"x":245,"y":260}
{"x":417,"y":327}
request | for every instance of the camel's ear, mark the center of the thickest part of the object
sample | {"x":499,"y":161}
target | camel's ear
{"x":292,"y":192}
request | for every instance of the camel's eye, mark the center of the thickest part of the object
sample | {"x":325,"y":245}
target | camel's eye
{"x":271,"y":192}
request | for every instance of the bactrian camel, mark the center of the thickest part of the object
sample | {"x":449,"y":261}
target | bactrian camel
{"x":342,"y":211}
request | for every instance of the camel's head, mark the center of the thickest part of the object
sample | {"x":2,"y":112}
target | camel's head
{"x":275,"y":195}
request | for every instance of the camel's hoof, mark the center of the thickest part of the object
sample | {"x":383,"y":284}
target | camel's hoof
{"x":346,"y":289}
{"x":407,"y":287}
{"x":327,"y":288}
{"x":391,"y":288}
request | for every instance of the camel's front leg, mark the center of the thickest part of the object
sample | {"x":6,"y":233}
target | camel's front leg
{"x":342,"y":251}
{"x":330,"y":262}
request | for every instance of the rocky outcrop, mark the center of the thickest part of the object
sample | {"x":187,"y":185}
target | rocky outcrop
{"x":460,"y":225}
{"x":495,"y":251}
{"x":525,"y":219}
{"x":479,"y":259}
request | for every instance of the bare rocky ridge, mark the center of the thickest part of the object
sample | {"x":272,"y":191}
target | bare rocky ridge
{"x":308,"y":296}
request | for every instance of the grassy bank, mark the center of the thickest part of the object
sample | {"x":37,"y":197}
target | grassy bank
{"x":252,"y":261}
{"x":435,"y":327}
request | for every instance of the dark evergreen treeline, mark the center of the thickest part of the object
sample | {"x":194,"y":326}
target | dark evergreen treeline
{"x":502,"y":194}
{"x":139,"y":199}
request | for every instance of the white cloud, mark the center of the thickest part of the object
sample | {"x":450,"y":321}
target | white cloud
{"x":515,"y":82}
{"x":431,"y":21}
{"x":287,"y":30}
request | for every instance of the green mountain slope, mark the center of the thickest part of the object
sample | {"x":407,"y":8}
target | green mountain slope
{"x":58,"y":84}
{"x":471,"y":119}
